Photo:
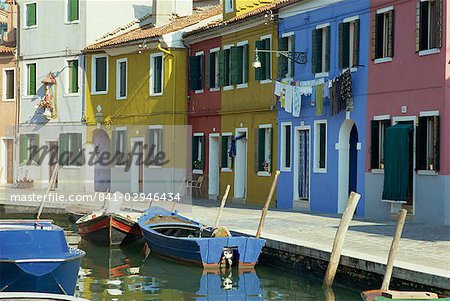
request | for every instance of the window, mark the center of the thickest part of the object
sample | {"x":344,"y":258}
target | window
{"x":9,"y":80}
{"x":31,"y":79}
{"x":155,"y":140}
{"x":264,"y":149}
{"x":214,"y":69}
{"x":429,"y":25}
{"x":156,"y":74}
{"x":285,"y":152}
{"x":321,"y":49}
{"x":73,"y":85}
{"x":378,"y":132}
{"x":29,"y":144}
{"x":265,"y":72}
{"x":226,"y":159}
{"x":120,"y":145}
{"x":239,"y":64}
{"x":428,"y":143}
{"x":73,"y":10}
{"x":320,"y":146}
{"x":31,"y":14}
{"x":70,"y":149}
{"x":229,"y":6}
{"x":100,"y":74}
{"x":225,"y":67}
{"x":198,"y":152}
{"x":349,"y":43}
{"x":286,"y":66}
{"x":196,"y":70}
{"x":383,"y":34}
{"x":121,"y":79}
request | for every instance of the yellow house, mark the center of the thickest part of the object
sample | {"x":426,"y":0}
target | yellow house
{"x":248,"y":107}
{"x":136,"y":89}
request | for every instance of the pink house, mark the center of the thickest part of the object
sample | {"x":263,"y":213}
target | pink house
{"x":407,"y":154}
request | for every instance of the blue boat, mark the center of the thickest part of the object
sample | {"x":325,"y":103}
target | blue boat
{"x":174,"y":236}
{"x":35,"y":257}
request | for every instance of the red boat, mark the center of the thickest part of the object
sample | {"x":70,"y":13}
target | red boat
{"x":110,"y":228}
{"x":382,"y":295}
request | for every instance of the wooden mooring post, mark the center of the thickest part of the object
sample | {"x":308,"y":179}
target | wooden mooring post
{"x":222,"y":204}
{"x":394,"y":247}
{"x":339,"y":239}
{"x":267,"y":204}
{"x":50,"y":185}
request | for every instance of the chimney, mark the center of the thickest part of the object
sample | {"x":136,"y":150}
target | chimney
{"x":165,"y":10}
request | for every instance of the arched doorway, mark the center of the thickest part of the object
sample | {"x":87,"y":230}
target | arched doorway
{"x":348,"y":162}
{"x":102,"y":173}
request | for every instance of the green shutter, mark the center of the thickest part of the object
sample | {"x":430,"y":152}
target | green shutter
{"x":237,"y":65}
{"x":373,"y":46}
{"x":194,"y":73}
{"x":31,"y":14}
{"x":259,"y":71}
{"x":194,"y":149}
{"x":73,"y":76}
{"x":31,"y":79}
{"x":421,"y":144}
{"x":418,"y":22}
{"x":203,"y":151}
{"x":114,"y":145}
{"x":283,"y":44}
{"x":317,"y":51}
{"x":328,"y":50}
{"x":345,"y":49}
{"x":356,"y":43}
{"x":222,"y":71}
{"x":267,"y":60}
{"x":23,"y":148}
{"x":292,"y":61}
{"x":100,"y":74}
{"x":77,"y":150}
{"x":439,"y":23}
{"x":341,"y":46}
{"x":437,"y":143}
{"x":212,"y":70}
{"x":375,"y":144}
{"x":261,"y":148}
{"x":73,"y":10}
{"x":245,"y":63}
{"x":64,"y":149}
{"x":224,"y":151}
{"x":123,"y":79}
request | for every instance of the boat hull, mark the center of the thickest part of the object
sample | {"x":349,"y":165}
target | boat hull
{"x":109,"y":229}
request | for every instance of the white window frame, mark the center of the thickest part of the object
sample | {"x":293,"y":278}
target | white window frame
{"x":229,"y":6}
{"x":25,"y":16}
{"x":4,"y":99}
{"x":117,"y":130}
{"x":291,"y":47}
{"x":244,"y":44}
{"x":325,"y":34}
{"x":230,"y":86}
{"x":66,"y":15}
{"x":428,"y":172}
{"x":351,"y":21}
{"x":317,"y":124}
{"x":229,"y":159}
{"x":381,"y":138}
{"x":430,"y":50}
{"x":156,"y":127}
{"x":215,"y":51}
{"x":283,"y":140}
{"x":67,"y":80}
{"x":267,"y":148}
{"x":202,"y":66}
{"x":383,"y":11}
{"x":199,"y":171}
{"x":94,"y":90}
{"x":269,"y":80}
{"x":118,"y":62}
{"x":152,"y":73}
{"x":25,"y":94}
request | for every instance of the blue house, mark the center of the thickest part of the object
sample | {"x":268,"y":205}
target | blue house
{"x":322,"y":152}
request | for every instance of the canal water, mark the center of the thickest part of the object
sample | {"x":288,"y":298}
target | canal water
{"x":131,"y":273}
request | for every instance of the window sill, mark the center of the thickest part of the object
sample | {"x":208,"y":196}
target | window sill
{"x":264,"y":174}
{"x":214,"y":89}
{"x":28,"y":96}
{"x":197,"y":171}
{"x":71,"y":167}
{"x":242,"y":86}
{"x":227,"y":88}
{"x":429,"y":52}
{"x":199,"y":91}
{"x":156,"y":94}
{"x":265,"y":81}
{"x":352,"y":69}
{"x":72,"y":22}
{"x":71,"y":95}
{"x":120,"y":166}
{"x":226,"y":169}
{"x":287,"y":79}
{"x":427,"y":173}
{"x":285,"y":169}
{"x":99,"y":92}
{"x":394,"y":202}
{"x":378,"y":171}
{"x":154,"y":167}
{"x":323,"y":74}
{"x":9,"y":100}
{"x":320,"y":170}
{"x":382,"y":60}
{"x":30,"y":27}
{"x":121,"y":98}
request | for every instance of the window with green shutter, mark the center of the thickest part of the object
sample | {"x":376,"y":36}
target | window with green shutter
{"x":286,"y":66}
{"x":225,"y":157}
{"x":157,"y":74}
{"x":31,"y":14}
{"x":23,"y":148}
{"x":70,"y":149}
{"x":73,"y":10}
{"x":378,"y":132}
{"x":214,"y":70}
{"x":321,"y":50}
{"x":429,"y":24}
{"x":198,"y":152}
{"x":10,"y":87}
{"x":196,"y":72}
{"x":101,"y":74}
{"x":31,"y":79}
{"x":73,"y":76}
{"x":383,"y":34}
{"x":428,"y":143}
{"x":264,"y":149}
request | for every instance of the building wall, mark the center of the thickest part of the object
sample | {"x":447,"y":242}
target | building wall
{"x":242,"y":7}
{"x":204,"y":108}
{"x":419,"y":83}
{"x":248,"y":108}
{"x":324,"y":187}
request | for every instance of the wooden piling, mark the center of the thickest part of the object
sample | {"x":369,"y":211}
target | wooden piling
{"x":50,"y":185}
{"x":394,"y":247}
{"x":339,"y":239}
{"x":222,"y":204}
{"x":267,"y":204}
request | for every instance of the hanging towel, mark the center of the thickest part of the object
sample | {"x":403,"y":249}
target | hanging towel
{"x":296,"y":102}
{"x":326,"y":90}
{"x":288,"y":98}
{"x":283,"y":95}
{"x":313,"y":97}
{"x":319,"y":99}
{"x":278,"y":87}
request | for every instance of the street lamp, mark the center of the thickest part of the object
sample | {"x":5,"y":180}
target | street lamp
{"x":297,"y":57}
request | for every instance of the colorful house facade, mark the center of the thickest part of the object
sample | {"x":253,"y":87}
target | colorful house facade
{"x":321,"y":150}
{"x":136,"y":94}
{"x":243,"y":148}
{"x":407,"y":111}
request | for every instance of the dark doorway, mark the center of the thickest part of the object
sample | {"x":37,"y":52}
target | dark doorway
{"x":353,"y":161}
